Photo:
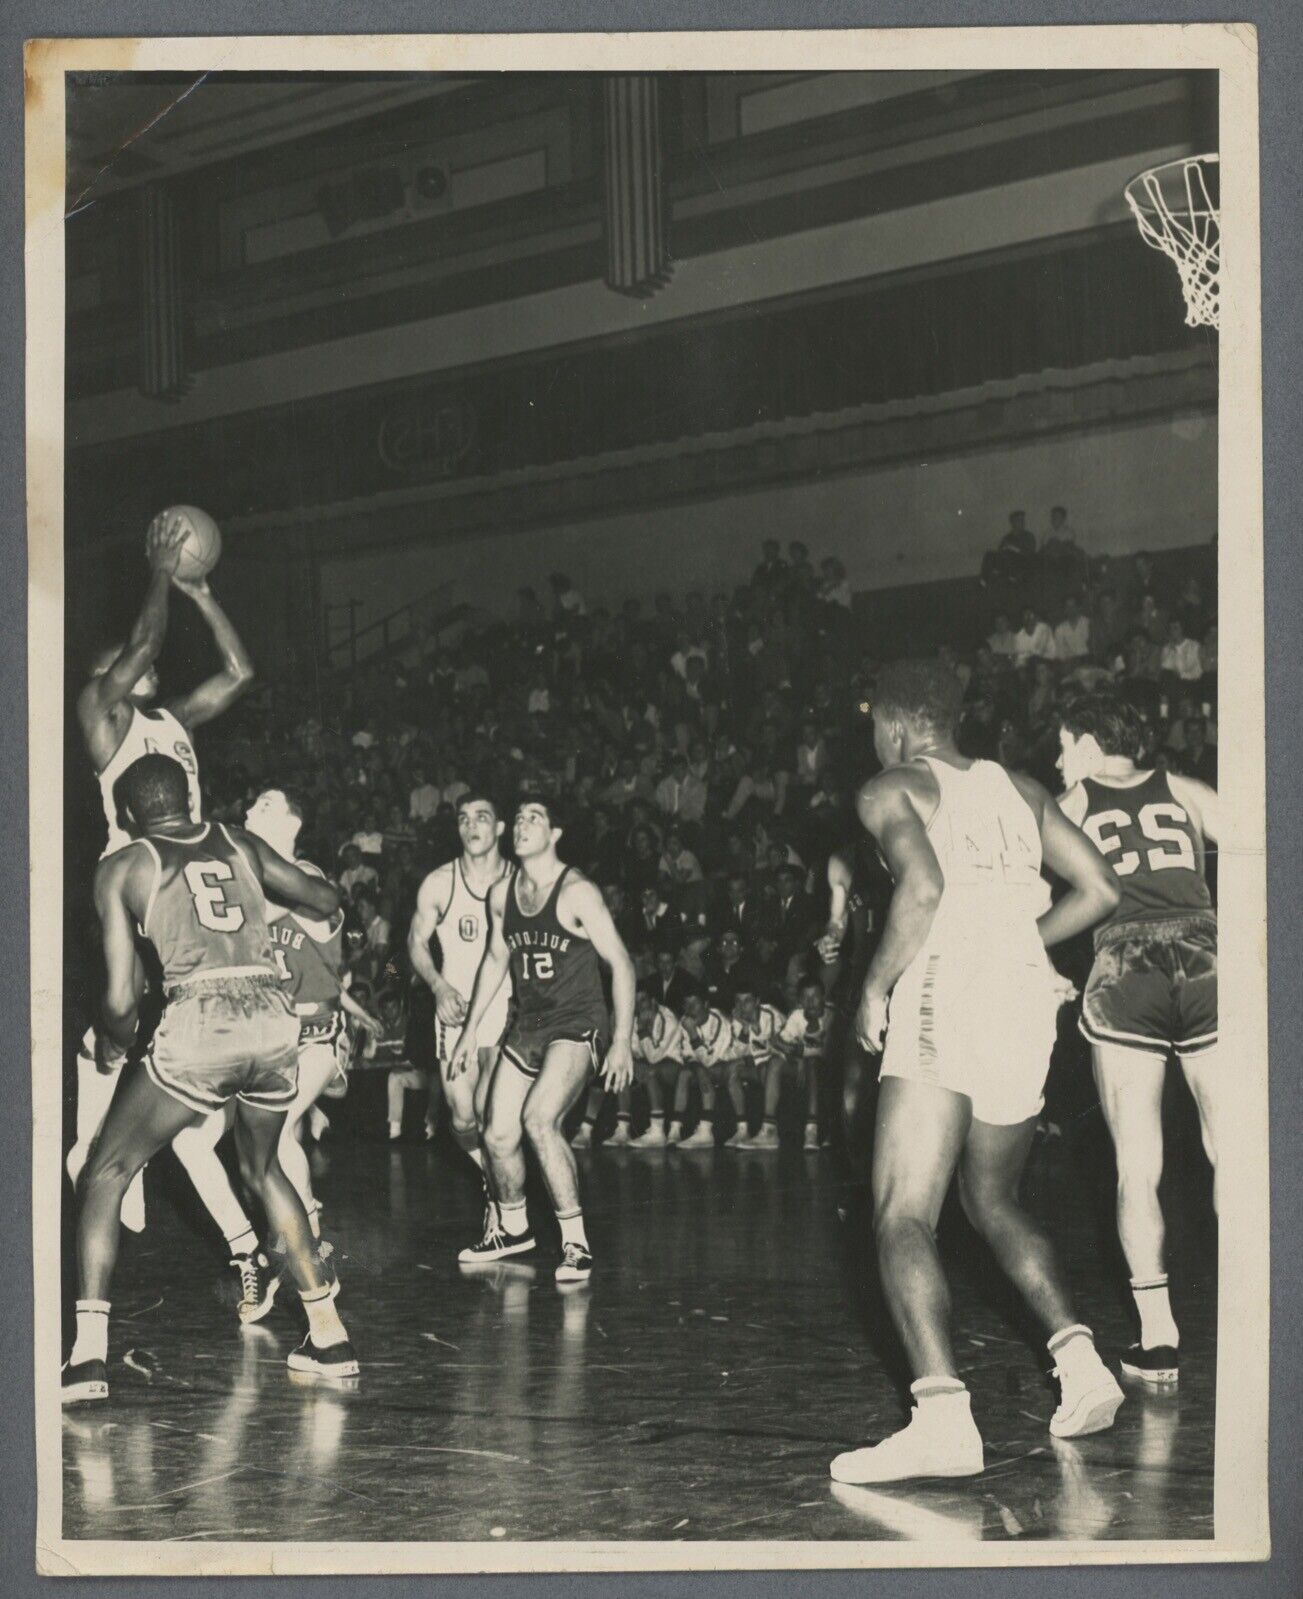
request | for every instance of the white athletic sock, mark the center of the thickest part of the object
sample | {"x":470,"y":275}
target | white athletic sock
{"x":244,"y":1243}
{"x":323,"y":1319}
{"x":941,"y":1387}
{"x":572,"y":1229}
{"x":1155,"y":1311}
{"x":514,"y":1218}
{"x":658,"y":1115}
{"x":395,"y":1129}
{"x":92,"y":1340}
{"x":1074,"y":1350}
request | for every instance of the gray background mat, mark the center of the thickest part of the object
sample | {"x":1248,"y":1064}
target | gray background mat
{"x":1281,"y":53}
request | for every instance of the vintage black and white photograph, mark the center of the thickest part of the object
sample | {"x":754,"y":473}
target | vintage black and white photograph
{"x":637,"y":792}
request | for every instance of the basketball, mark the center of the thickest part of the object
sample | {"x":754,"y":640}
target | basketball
{"x":203,"y":542}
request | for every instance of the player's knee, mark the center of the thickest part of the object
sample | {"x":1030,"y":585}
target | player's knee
{"x":1140,"y":1163}
{"x":501,"y":1138}
{"x":539,"y":1121}
{"x":108,"y":1169}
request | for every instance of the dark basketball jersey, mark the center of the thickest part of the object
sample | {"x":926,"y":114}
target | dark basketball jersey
{"x":555,"y":974}
{"x":206,"y":914}
{"x":309,"y":958}
{"x":1154,"y":847}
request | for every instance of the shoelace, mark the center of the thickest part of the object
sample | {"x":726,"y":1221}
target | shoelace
{"x":249,"y":1285}
{"x":571,"y":1253}
{"x":493,"y":1237}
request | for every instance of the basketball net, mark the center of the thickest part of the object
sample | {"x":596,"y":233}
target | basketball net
{"x":1177,"y":214}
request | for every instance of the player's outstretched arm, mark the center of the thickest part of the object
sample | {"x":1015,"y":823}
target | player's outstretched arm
{"x":1092,"y":888}
{"x":217,"y":693}
{"x":488,"y":980}
{"x":585,"y":899}
{"x":289,"y":884}
{"x":117,"y":933}
{"x":113,"y":687}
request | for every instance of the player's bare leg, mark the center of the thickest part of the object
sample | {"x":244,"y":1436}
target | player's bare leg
{"x":989,"y":1174}
{"x":141,"y":1120}
{"x":1215,"y":1097}
{"x":196,"y":1149}
{"x":583,"y":1138}
{"x":326,"y":1351}
{"x":566,"y":1068}
{"x":508,"y":1231}
{"x":920,"y":1136}
{"x":1130,"y":1086}
{"x":488,"y":1060}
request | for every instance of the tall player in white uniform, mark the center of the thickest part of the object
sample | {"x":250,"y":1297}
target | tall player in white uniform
{"x":119,"y":724}
{"x":968,"y":1035}
{"x":452,"y":905}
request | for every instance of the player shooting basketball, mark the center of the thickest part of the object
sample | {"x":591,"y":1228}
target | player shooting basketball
{"x":119,"y":724}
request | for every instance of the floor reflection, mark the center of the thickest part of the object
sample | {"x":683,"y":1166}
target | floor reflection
{"x":730,"y":1343}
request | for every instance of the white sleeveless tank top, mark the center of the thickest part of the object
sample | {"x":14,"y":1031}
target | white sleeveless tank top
{"x":988,"y":844}
{"x":463,"y":937}
{"x":148,"y":733}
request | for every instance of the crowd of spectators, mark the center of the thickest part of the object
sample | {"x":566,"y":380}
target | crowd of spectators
{"x":709,"y":746}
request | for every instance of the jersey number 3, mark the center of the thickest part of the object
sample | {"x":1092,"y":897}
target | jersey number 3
{"x":205,"y":879}
{"x":1173,"y":850}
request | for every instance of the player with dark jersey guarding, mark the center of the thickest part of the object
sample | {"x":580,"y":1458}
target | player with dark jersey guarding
{"x":195,"y":890}
{"x":1152,"y":990}
{"x":309,"y":956}
{"x":119,"y":723}
{"x":551,"y":927}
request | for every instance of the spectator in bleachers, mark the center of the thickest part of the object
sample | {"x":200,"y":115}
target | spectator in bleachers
{"x":1033,"y":641}
{"x":1072,"y":635}
{"x":1061,"y":556}
{"x":1181,"y":658}
{"x":1014,"y":558}
{"x":1000,"y":640}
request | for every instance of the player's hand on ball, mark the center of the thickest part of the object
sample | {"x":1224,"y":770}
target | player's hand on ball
{"x":164,"y":542}
{"x":450,"y":1006}
{"x":617,"y":1068}
{"x":871,"y":1023}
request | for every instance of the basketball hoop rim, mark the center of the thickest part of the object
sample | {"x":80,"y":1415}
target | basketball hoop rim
{"x":1137,"y":199}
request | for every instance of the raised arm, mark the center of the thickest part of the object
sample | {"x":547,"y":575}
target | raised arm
{"x":432,"y":901}
{"x":113,"y":687}
{"x":289,"y":884}
{"x":1092,"y":888}
{"x":488,"y":980}
{"x":217,"y":693}
{"x":589,"y":908}
{"x":117,"y":933}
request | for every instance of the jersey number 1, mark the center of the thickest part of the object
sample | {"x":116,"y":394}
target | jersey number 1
{"x":205,"y":878}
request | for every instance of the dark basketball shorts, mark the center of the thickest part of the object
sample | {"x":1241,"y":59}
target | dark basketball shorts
{"x":526,"y":1044}
{"x":227,"y":1038}
{"x":1153,"y":987}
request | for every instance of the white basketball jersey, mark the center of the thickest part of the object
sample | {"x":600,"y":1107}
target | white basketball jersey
{"x":463,"y":936}
{"x":148,"y":733}
{"x":988,"y":844}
